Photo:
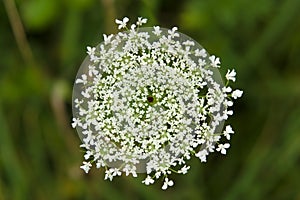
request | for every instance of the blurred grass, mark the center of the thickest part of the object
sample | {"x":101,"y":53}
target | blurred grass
{"x":39,"y":152}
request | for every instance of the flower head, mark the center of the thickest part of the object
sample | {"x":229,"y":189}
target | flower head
{"x":146,"y":100}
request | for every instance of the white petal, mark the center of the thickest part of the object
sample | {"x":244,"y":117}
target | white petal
{"x":227,"y":145}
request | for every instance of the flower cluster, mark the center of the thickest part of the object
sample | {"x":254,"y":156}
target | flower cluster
{"x":148,"y":99}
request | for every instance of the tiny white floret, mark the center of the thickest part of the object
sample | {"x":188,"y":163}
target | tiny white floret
{"x":148,"y":180}
{"x":237,"y":93}
{"x":230,"y":75}
{"x":222,"y":148}
{"x":215,"y":61}
{"x":167,"y":183}
{"x":122,"y":23}
{"x":86,"y":166}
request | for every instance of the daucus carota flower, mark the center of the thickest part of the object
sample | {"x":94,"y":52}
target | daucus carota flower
{"x":146,"y":100}
{"x":230,"y":75}
{"x":122,"y":23}
{"x":167,"y":183}
{"x":237,"y":93}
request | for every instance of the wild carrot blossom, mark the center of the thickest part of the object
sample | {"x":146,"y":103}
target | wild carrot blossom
{"x":146,"y":100}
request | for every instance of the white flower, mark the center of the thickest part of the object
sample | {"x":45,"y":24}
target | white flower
{"x":100,"y":163}
{"x":130,"y":170}
{"x":108,"y":175}
{"x":189,"y":43}
{"x":201,"y":62}
{"x":184,"y":169}
{"x":157,"y":30}
{"x":228,"y":103}
{"x":123,"y":23}
{"x":167,"y":183}
{"x":223,"y":147}
{"x":148,"y":180}
{"x":228,"y":130}
{"x":237,"y":93}
{"x":157,"y":174}
{"x":200,"y":53}
{"x":115,"y":172}
{"x":83,"y":79}
{"x":95,"y":59}
{"x":215,"y":61}
{"x":86,"y":166}
{"x":87,"y":155}
{"x":228,"y":112}
{"x":141,"y":21}
{"x":91,"y":50}
{"x":92,"y":70}
{"x":146,"y":101}
{"x":230,"y":75}
{"x":180,"y":161}
{"x":76,"y":122}
{"x":173,"y":33}
{"x":107,"y":38}
{"x":227,"y":89}
{"x":202,"y":155}
{"x":132,"y":27}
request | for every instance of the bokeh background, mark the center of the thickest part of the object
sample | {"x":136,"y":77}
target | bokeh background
{"x":42,"y":44}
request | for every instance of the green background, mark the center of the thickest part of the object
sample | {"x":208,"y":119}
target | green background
{"x":39,"y":151}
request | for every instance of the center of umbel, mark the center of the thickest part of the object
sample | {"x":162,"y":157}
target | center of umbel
{"x":150,"y":99}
